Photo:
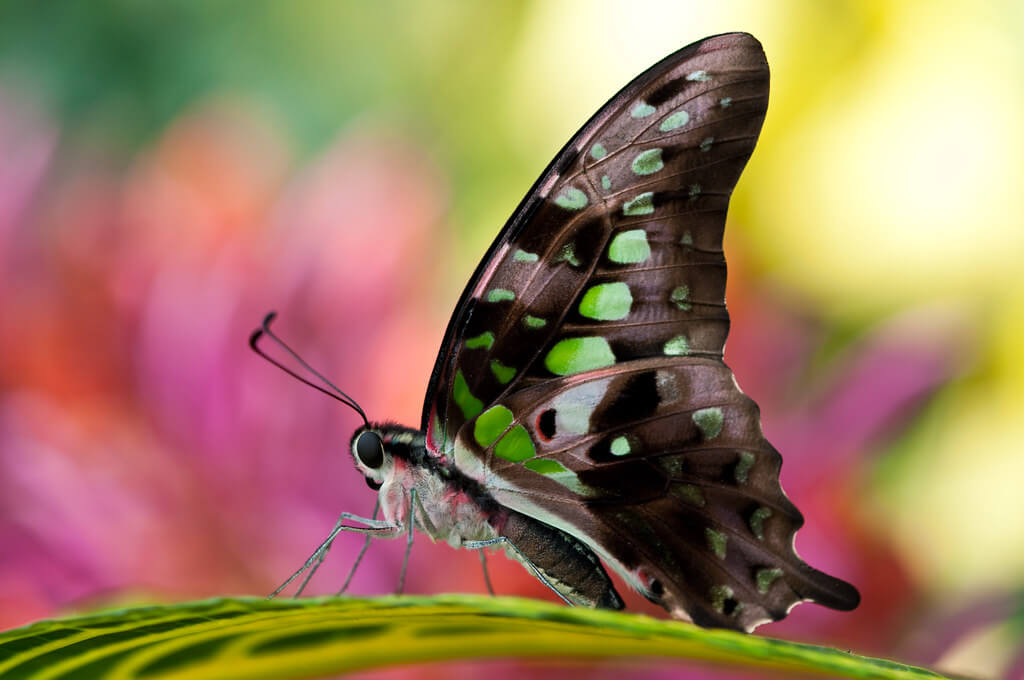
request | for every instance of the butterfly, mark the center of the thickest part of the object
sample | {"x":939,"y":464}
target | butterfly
{"x":580,"y":413}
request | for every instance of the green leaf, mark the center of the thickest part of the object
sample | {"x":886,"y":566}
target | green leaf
{"x":279,"y":639}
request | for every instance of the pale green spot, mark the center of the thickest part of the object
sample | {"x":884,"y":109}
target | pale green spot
{"x":620,"y":446}
{"x":705,"y":146}
{"x":719,"y":594}
{"x":678,"y":346}
{"x":574,"y":407}
{"x":575,"y":355}
{"x":500,"y":295}
{"x":491,"y":424}
{"x":606,"y":183}
{"x":648,"y":162}
{"x":743,"y":466}
{"x":571,"y":199}
{"x":642,"y":110}
{"x":716,"y":542}
{"x":709,"y":421}
{"x":694,"y":191}
{"x":568,"y":254}
{"x":607,"y":302}
{"x":503,"y":373}
{"x":766,"y":577}
{"x":679,"y":297}
{"x":687,"y":239}
{"x":641,"y":205}
{"x":516,"y":445}
{"x":757,"y":519}
{"x":545,"y":466}
{"x":598,"y":151}
{"x":629,"y":247}
{"x":690,"y":494}
{"x":724,"y":102}
{"x":485,"y":340}
{"x":534,"y":322}
{"x":676,"y":120}
{"x":699,"y":76}
{"x":523,"y":256}
{"x":468,"y":404}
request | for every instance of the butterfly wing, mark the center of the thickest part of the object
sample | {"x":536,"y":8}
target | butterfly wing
{"x":661,"y":467}
{"x":612,"y":268}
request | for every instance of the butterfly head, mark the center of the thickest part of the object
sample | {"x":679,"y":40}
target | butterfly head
{"x":375,"y":448}
{"x":371,"y":459}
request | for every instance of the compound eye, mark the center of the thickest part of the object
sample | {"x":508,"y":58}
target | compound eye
{"x":370,"y":450}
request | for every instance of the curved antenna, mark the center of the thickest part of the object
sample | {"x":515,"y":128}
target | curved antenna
{"x":334,"y":392}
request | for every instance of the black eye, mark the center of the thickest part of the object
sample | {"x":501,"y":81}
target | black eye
{"x":372,"y":484}
{"x":370,"y":450}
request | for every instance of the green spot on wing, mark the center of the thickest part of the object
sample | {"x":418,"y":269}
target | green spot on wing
{"x":719,"y":594}
{"x":523,"y":256}
{"x":468,"y":404}
{"x":503,"y":373}
{"x":766,"y":577}
{"x":629,"y":247}
{"x":648,"y":162}
{"x":706,"y":144}
{"x":500,"y":295}
{"x":491,"y":424}
{"x":620,"y":446}
{"x":694,"y":191}
{"x":642,"y":110}
{"x":687,"y":239}
{"x":534,"y":322}
{"x":757,"y":519}
{"x":716,"y":542}
{"x":598,"y":151}
{"x":485,"y":340}
{"x":709,"y":421}
{"x":606,"y":183}
{"x":571,"y":199}
{"x":676,"y":120}
{"x":606,"y":302}
{"x":545,"y":466}
{"x":516,"y":445}
{"x":690,"y":494}
{"x":678,"y":346}
{"x":641,"y":205}
{"x":679,"y":296}
{"x":724,"y":102}
{"x":575,"y":355}
{"x":568,"y":254}
{"x":743,"y":466}
{"x":699,"y":76}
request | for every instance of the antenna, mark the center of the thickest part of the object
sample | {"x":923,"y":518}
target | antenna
{"x":334,"y":392}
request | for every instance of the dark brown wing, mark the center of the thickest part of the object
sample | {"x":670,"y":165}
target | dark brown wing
{"x":615,"y":254}
{"x":661,"y":467}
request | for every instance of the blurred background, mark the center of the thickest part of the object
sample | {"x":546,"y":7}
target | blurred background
{"x":170,"y":172}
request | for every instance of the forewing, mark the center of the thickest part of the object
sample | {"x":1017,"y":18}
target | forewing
{"x":661,"y":467}
{"x":615,"y":253}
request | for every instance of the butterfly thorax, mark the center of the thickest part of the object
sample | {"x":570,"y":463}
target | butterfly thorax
{"x":448,"y":505}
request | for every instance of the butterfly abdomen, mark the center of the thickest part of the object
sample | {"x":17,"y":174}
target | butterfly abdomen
{"x":568,"y":564}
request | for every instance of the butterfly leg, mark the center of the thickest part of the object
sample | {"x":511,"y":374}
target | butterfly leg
{"x":372,"y":527}
{"x":362,"y":552}
{"x":477,"y":545}
{"x":487,"y":576}
{"x":408,"y":540}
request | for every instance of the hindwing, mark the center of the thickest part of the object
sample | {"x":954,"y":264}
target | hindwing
{"x":661,"y":467}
